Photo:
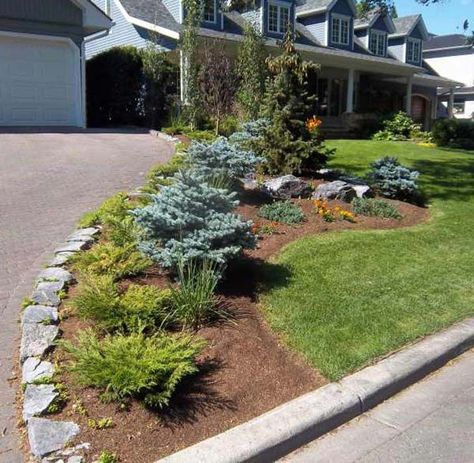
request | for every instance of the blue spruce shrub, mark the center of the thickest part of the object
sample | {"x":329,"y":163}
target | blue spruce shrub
{"x":394,"y":180}
{"x":249,"y":132}
{"x":191,"y":220}
{"x":221,"y":158}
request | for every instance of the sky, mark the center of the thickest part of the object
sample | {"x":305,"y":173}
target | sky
{"x":445,"y":17}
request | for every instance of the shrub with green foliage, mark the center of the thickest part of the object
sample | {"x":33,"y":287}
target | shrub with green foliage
{"x":194,"y":300}
{"x":393,"y":180}
{"x":133,"y":366}
{"x":162,"y":174}
{"x":192,"y":220}
{"x":250,"y":133}
{"x":221,"y":159}
{"x":455,"y":133}
{"x":282,"y":211}
{"x":373,"y":207}
{"x":139,"y":308}
{"x":109,"y":259}
{"x":399,"y":127}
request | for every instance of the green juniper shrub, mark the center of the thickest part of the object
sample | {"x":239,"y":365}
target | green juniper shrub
{"x":109,"y":259}
{"x":373,"y":207}
{"x":455,"y":133}
{"x":194,"y":301}
{"x":228,"y":126}
{"x":398,"y":127}
{"x":393,"y":180}
{"x":220,"y":160}
{"x":107,"y":457}
{"x":162,"y":174}
{"x":282,"y":211}
{"x":139,"y":308}
{"x":192,"y":220}
{"x":133,"y":366}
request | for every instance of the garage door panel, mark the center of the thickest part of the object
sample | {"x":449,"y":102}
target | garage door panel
{"x":39,"y":82}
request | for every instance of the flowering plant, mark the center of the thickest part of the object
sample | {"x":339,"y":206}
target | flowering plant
{"x":313,"y":124}
{"x":331,"y":215}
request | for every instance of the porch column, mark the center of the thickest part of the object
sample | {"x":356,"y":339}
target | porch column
{"x":451,"y":103}
{"x":350,"y":91}
{"x":408,"y":95}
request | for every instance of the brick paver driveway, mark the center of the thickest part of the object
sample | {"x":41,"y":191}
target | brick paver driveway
{"x":47,"y":181}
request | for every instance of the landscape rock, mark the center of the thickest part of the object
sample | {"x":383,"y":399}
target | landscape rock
{"x":286,"y":187}
{"x":34,"y":369}
{"x":363,"y":191}
{"x":40,"y":314}
{"x":55,"y":274}
{"x":72,"y":246}
{"x":46,"y":436}
{"x":60,"y":259}
{"x":45,"y":297}
{"x":37,"y":399}
{"x":82,"y":233}
{"x":50,"y":285}
{"x":335,"y":190}
{"x":37,"y":339}
{"x":75,"y":459}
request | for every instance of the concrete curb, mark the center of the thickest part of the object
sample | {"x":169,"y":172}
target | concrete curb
{"x":294,"y":424}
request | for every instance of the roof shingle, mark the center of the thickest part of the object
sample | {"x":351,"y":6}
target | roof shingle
{"x":445,"y":41}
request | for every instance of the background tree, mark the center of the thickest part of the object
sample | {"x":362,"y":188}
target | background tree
{"x":252,"y":72}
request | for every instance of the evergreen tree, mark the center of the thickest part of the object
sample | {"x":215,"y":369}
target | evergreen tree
{"x":289,"y":142}
{"x":252,"y":72}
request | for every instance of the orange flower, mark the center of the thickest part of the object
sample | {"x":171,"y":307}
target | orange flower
{"x":313,"y":123}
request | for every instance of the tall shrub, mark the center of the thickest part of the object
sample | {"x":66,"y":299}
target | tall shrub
{"x":252,"y":72}
{"x":289,"y":143}
{"x":191,"y":220}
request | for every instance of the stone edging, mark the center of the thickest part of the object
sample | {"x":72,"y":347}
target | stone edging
{"x":296,"y":423}
{"x":48,"y":438}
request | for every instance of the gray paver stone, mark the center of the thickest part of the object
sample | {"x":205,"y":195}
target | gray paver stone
{"x":72,"y":246}
{"x":45,"y":297}
{"x":40,"y":314}
{"x":60,"y":259}
{"x":36,"y":339}
{"x":55,"y":274}
{"x":37,"y":398}
{"x":34,"y":369}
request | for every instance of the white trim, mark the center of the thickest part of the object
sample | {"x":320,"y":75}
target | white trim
{"x":455,"y":47}
{"x":326,"y":30}
{"x":340,"y":17}
{"x":83,"y":85}
{"x":146,"y":24}
{"x":80,"y":89}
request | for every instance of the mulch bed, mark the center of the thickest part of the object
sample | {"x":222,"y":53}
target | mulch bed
{"x":245,"y":372}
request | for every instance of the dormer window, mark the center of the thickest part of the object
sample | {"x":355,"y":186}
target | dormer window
{"x":278,"y":17}
{"x":340,"y":29}
{"x":378,"y":42}
{"x":413,"y":50}
{"x":210,"y":11}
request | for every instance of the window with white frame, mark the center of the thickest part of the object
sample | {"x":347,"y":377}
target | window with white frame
{"x":340,"y":29}
{"x":278,"y":17}
{"x":413,"y":50}
{"x":378,"y":42}
{"x":210,"y":11}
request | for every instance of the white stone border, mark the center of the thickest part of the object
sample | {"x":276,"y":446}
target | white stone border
{"x":48,"y":438}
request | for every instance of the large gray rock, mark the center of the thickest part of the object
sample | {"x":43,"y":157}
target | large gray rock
{"x":72,"y":246}
{"x":46,"y":296}
{"x":40,"y":314}
{"x":335,"y":190}
{"x":37,"y":339}
{"x":34,"y":369}
{"x":37,"y":399}
{"x":287,"y":186}
{"x":46,"y":436}
{"x":363,"y":191}
{"x":55,"y":274}
{"x":60,"y":259}
{"x":83,"y":234}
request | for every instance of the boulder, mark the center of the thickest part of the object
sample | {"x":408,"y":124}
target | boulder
{"x":83,"y":234}
{"x":45,"y":296}
{"x":40,"y":314}
{"x":335,"y":190}
{"x":286,"y":187}
{"x":363,"y":191}
{"x":72,"y":246}
{"x":55,"y":274}
{"x":60,"y":259}
{"x":37,"y":399}
{"x":37,"y":339}
{"x":46,"y":436}
{"x":34,"y":369}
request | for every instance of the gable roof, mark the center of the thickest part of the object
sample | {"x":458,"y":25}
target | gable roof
{"x":151,"y":12}
{"x":439,"y":42}
{"x":371,"y":18}
{"x":407,"y":24}
{"x":310,"y":7}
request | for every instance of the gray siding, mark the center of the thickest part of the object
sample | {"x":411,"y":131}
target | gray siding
{"x":317,"y":26}
{"x":254,"y":17}
{"x":174,"y":7}
{"x":123,"y":33}
{"x":416,"y":34}
{"x":380,"y":24}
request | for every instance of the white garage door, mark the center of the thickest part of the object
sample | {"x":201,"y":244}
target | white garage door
{"x":40,"y":83}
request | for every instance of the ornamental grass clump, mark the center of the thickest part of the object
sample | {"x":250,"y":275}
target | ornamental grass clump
{"x":133,"y":366}
{"x":282,"y":211}
{"x":373,"y":207}
{"x":194,"y":301}
{"x":393,"y":180}
{"x":191,"y":220}
{"x":221,"y":159}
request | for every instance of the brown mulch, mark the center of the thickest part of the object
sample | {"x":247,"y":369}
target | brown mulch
{"x":245,"y":370}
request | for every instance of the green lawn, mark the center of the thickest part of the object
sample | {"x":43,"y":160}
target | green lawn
{"x":354,"y":296}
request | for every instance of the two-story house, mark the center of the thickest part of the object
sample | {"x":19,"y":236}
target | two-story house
{"x":453,"y":56}
{"x":369,"y":65}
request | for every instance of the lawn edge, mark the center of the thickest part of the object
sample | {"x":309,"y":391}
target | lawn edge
{"x":284,"y":429}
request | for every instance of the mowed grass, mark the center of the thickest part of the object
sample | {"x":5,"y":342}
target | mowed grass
{"x":352,"y":297}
